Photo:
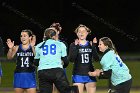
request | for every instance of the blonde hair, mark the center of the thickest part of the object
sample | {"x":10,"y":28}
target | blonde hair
{"x":81,"y":25}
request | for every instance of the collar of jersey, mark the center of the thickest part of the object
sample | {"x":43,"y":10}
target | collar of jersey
{"x":84,"y":44}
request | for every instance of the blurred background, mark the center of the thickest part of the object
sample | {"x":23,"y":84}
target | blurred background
{"x":117,"y":19}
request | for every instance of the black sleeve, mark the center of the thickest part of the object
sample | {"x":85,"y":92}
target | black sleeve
{"x":66,"y":44}
{"x":36,"y":62}
{"x":73,"y":51}
{"x":94,"y":53}
{"x":66,"y":62}
{"x":105,"y":74}
{"x":1,"y":47}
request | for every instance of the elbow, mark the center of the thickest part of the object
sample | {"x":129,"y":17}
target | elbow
{"x":97,"y":58}
{"x":65,"y":65}
{"x":66,"y":62}
{"x":36,"y":62}
{"x":72,"y":58}
{"x":105,"y":74}
{"x":9,"y":57}
{"x":69,"y":58}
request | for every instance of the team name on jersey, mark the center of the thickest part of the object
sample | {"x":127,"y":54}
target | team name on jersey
{"x":25,"y":54}
{"x":85,"y":50}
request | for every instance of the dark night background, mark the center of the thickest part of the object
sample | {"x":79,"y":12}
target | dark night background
{"x":98,"y":15}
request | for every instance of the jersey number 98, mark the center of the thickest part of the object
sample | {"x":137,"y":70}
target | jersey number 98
{"x":49,"y":49}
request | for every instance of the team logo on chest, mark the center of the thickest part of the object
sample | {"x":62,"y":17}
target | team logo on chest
{"x":85,"y":50}
{"x":25,"y":54}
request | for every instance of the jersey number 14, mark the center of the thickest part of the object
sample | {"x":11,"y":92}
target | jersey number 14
{"x":25,"y":63}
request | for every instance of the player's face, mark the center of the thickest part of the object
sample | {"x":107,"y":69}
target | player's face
{"x":101,"y":46}
{"x":82,"y":33}
{"x":24,"y":37}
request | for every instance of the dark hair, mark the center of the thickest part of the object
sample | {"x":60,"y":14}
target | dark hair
{"x":30,"y":33}
{"x":108,"y":42}
{"x":57,"y":26}
{"x":48,"y":33}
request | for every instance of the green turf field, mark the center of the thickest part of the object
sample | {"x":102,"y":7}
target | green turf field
{"x":99,"y":91}
{"x":134,"y":70}
{"x":8,"y":71}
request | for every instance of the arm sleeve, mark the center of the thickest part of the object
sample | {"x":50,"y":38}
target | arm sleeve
{"x":1,"y":47}
{"x":66,"y":62}
{"x":94,"y":53}
{"x":105,"y":74}
{"x":73,"y":51}
{"x":37,"y":55}
{"x":36,"y":62}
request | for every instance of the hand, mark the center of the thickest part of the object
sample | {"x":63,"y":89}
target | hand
{"x":10,"y":44}
{"x":98,"y":71}
{"x":33,"y":40}
{"x":76,"y":42}
{"x":94,"y":40}
{"x":95,"y":73}
{"x":92,"y":73}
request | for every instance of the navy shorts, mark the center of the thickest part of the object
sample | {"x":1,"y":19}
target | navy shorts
{"x":24,"y":80}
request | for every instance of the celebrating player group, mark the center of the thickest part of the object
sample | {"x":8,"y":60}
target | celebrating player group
{"x":51,"y":57}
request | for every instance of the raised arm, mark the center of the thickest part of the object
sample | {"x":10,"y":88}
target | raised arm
{"x":12,"y":49}
{"x":94,"y":53}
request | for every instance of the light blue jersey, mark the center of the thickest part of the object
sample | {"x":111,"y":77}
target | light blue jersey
{"x":120,"y":72}
{"x":50,"y":54}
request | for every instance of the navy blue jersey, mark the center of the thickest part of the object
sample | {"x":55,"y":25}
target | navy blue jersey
{"x":82,"y":56}
{"x":24,"y":60}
